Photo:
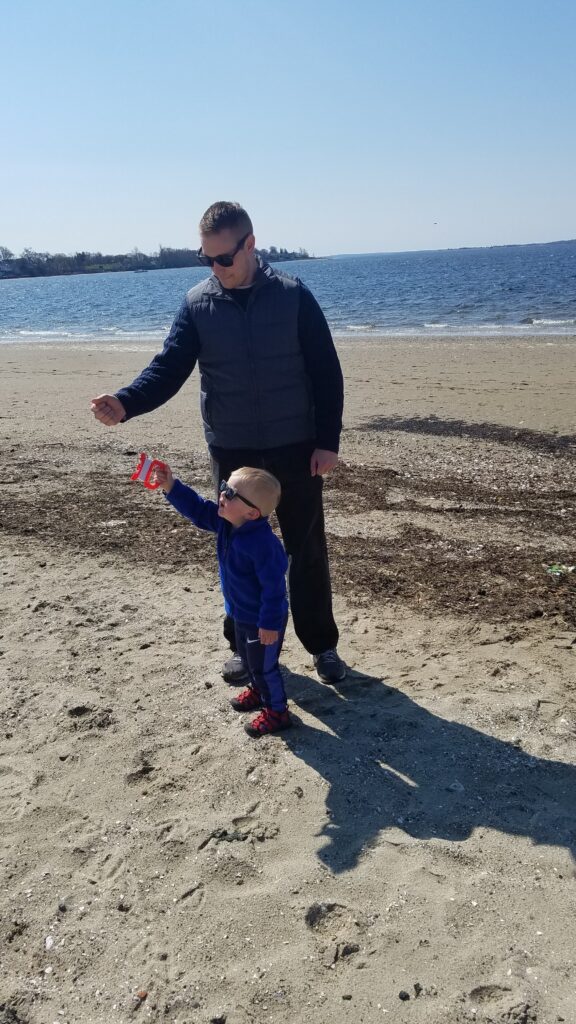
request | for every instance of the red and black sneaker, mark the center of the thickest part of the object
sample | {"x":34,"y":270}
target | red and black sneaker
{"x":268,"y":721}
{"x":248,"y":700}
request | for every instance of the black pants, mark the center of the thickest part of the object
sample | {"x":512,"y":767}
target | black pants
{"x":301,"y":518}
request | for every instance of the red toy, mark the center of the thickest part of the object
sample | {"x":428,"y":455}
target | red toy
{"x":143,"y":471}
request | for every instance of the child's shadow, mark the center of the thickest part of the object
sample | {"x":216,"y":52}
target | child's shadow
{"x":390,"y":763}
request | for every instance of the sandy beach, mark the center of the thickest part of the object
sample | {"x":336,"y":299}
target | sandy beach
{"x":406,"y":854}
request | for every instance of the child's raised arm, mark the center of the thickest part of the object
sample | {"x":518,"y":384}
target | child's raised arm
{"x":202,"y":512}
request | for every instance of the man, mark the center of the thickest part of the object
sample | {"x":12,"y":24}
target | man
{"x":271,"y":396}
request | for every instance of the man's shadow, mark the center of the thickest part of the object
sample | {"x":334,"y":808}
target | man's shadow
{"x":390,"y":763}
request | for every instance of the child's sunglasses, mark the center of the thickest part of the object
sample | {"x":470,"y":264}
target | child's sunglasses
{"x":230,"y":493}
{"x":226,"y":259}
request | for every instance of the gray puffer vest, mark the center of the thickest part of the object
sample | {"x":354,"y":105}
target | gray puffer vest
{"x":255,"y":392}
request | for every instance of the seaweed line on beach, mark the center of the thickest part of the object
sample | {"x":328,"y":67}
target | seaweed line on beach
{"x":429,"y":570}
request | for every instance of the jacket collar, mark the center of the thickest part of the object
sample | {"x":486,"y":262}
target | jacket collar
{"x":248,"y":527}
{"x":264,"y":275}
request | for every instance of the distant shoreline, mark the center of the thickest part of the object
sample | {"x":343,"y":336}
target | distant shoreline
{"x":33,"y":264}
{"x":449,"y":248}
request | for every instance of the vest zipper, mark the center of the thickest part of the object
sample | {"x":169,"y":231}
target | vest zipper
{"x":248,"y":337}
{"x":255,"y":389}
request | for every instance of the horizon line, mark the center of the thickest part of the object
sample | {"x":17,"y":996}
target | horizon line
{"x":331,"y":255}
{"x":448,"y":248}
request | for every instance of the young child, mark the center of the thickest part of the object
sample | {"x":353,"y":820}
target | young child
{"x":252,"y":565}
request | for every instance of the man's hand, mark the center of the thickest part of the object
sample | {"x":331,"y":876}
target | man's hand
{"x":163,"y":477}
{"x":268,"y":636}
{"x":322,"y":462}
{"x":108,"y":410}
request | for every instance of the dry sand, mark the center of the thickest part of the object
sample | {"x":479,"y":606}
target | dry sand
{"x":406,"y":853}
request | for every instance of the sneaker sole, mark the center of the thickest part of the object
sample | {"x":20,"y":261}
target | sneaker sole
{"x":235,"y":680}
{"x":331,"y":679}
{"x":259,"y":735}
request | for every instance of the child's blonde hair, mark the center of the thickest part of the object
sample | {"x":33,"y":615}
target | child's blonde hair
{"x":258,"y":486}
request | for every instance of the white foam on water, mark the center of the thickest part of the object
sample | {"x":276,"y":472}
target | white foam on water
{"x":109,"y":337}
{"x":554,"y":323}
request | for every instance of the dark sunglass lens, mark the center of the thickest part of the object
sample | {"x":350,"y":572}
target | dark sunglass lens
{"x":227,"y":259}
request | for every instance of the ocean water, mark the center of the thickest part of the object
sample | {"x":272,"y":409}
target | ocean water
{"x":502,"y":290}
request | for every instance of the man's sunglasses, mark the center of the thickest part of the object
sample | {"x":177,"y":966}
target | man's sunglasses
{"x":226,"y":259}
{"x":230,"y":493}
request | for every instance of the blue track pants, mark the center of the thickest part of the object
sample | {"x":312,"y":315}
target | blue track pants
{"x":261,"y":661}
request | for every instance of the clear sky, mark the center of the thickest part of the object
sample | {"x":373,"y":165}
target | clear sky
{"x":341,"y":125}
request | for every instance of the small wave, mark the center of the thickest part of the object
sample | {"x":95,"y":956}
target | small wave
{"x":555,"y":323}
{"x":123,"y":332}
{"x":50,"y":334}
{"x":143,"y":340}
{"x":359,"y":327}
{"x":102,"y":332}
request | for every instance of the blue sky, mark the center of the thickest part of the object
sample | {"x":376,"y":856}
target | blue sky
{"x":341,"y":125}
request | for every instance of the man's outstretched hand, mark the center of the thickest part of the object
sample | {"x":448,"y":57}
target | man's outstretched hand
{"x":108,"y":409}
{"x":322,"y":461}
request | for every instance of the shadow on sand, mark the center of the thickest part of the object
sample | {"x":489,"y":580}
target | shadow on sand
{"x":537,"y":440}
{"x":390,"y":763}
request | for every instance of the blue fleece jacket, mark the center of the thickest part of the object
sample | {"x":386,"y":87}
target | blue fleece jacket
{"x":251,"y":560}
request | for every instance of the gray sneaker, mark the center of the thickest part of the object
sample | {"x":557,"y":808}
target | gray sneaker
{"x":234,"y":670}
{"x":329,"y":666}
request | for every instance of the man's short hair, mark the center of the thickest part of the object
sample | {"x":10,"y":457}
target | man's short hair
{"x":224,"y":217}
{"x":258,"y":486}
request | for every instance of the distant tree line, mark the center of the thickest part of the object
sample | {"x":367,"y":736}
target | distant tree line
{"x":44,"y":264}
